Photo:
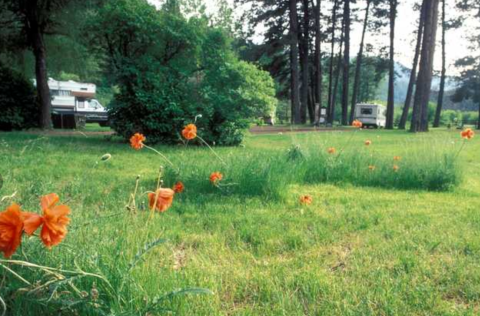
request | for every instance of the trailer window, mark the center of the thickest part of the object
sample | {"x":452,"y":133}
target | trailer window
{"x":60,"y":92}
{"x":81,"y":104}
{"x":366,"y":111}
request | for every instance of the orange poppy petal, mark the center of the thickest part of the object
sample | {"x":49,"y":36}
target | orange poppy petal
{"x":31,"y":222}
{"x":11,"y":228}
{"x":164,"y":199}
{"x":51,"y":237}
{"x":49,"y":200}
{"x":151,"y":199}
{"x":56,"y":219}
{"x":60,"y":210}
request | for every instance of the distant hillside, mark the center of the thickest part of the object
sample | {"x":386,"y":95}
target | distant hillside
{"x":401,"y":86}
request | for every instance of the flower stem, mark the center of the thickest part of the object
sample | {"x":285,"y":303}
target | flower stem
{"x":213,"y":151}
{"x":133,"y":204}
{"x":460,"y":150}
{"x":161,"y":155}
{"x":348,"y":143}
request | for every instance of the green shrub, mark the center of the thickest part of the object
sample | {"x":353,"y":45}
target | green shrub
{"x":450,"y":117}
{"x":469,"y":117}
{"x":171,"y":69}
{"x":18,"y":107}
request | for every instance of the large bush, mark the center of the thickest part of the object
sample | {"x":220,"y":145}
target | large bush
{"x":170,"y":69}
{"x":18,"y":108}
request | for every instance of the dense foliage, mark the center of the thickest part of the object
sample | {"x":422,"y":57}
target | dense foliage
{"x":171,"y":70}
{"x":17,"y":101}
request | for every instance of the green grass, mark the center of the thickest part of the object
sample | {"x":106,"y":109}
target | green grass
{"x":361,"y":248}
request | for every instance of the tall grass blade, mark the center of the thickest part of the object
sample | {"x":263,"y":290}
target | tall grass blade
{"x":146,"y":249}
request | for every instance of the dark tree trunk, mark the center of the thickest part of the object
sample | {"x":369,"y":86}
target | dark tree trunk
{"x":332,"y":60}
{"x":38,"y":48}
{"x":391,"y":72}
{"x":337,"y":74}
{"x":478,"y":121}
{"x":318,"y":63}
{"x":346,"y":62}
{"x":294,"y":80}
{"x":43,"y":92}
{"x":304,"y":39}
{"x":424,"y":80}
{"x":438,"y":112}
{"x":358,"y":66}
{"x":413,"y":73}
{"x":311,"y":105}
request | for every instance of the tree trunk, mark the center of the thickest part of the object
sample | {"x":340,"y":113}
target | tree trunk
{"x":304,"y":39}
{"x":39,"y":51}
{"x":478,"y":121}
{"x":391,"y":72}
{"x":413,"y":73}
{"x":318,"y":63}
{"x":424,"y":80}
{"x":294,"y":80}
{"x":346,"y":62}
{"x":438,"y":112}
{"x":311,"y":105}
{"x":358,"y":66}
{"x":332,"y":60}
{"x":337,"y":74}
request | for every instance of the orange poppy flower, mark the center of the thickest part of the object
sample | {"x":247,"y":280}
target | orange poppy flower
{"x":216,"y":177}
{"x":306,"y":199}
{"x":397,"y":158}
{"x":396,"y":168}
{"x":189,"y":132}
{"x":368,"y":142}
{"x":136,"y":141}
{"x":178,"y":187}
{"x":164,"y":199}
{"x":357,"y":124}
{"x":54,"y":221}
{"x":11,"y":226}
{"x":468,"y":133}
{"x":332,"y":150}
{"x":371,"y":168}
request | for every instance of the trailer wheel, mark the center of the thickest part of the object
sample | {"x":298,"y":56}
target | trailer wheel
{"x":104,"y":123}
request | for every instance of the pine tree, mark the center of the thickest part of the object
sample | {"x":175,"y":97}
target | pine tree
{"x":294,"y":81}
{"x":391,"y":72}
{"x":346,"y":62}
{"x":413,"y":72}
{"x":358,"y":65}
{"x":441,"y":92}
{"x":318,"y":63}
{"x":331,"y":95}
{"x":304,"y":62}
{"x":424,"y":80}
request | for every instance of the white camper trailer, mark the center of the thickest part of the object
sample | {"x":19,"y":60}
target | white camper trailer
{"x":371,"y":115}
{"x":78,"y":99}
{"x":74,"y":103}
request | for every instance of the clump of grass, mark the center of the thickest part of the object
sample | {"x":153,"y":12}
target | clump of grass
{"x":251,"y":174}
{"x":431,"y":172}
{"x":432,"y":167}
{"x":425,"y":165}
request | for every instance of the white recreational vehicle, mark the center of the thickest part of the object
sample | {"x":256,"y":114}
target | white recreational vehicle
{"x":74,"y":103}
{"x":371,"y":115}
{"x":70,"y":97}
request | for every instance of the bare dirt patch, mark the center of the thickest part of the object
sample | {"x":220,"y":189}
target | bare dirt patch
{"x":299,"y":129}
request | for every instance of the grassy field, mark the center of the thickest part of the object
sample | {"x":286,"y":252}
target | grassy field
{"x":359,"y":249}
